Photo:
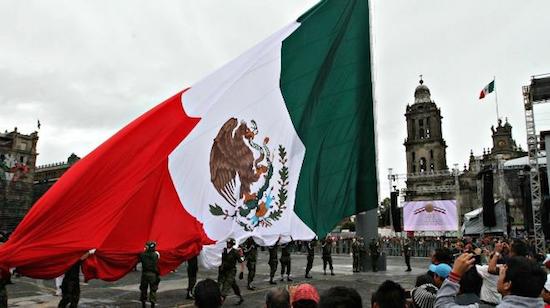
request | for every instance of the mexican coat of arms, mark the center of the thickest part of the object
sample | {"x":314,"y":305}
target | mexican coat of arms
{"x":241,"y":171}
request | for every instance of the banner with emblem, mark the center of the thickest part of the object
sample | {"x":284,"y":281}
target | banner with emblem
{"x":279,"y":143}
{"x":432,"y":215}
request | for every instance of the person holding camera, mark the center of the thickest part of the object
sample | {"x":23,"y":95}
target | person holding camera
{"x":520,"y":283}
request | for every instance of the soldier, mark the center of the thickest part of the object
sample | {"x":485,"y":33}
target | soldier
{"x":192,"y":269}
{"x":327,"y":257}
{"x":70,"y":287}
{"x":310,"y":255}
{"x":272,"y":262}
{"x":250,"y":253}
{"x":150,"y":275}
{"x":355,"y":251}
{"x":362,"y":253}
{"x":5,"y":279}
{"x":228,"y":270}
{"x":374,"y":249}
{"x":407,"y":254}
{"x":285,"y":261}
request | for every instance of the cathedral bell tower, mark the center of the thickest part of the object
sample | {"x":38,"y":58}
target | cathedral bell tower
{"x":425,"y":146}
{"x":428,"y":177}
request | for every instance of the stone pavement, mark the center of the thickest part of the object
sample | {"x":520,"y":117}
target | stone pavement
{"x":28,"y":292}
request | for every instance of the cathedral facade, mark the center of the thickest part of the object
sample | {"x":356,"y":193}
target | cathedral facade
{"x":428,"y":175}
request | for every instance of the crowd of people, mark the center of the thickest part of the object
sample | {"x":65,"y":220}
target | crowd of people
{"x":482,"y":272}
{"x":487,"y":272}
{"x":208,"y":295}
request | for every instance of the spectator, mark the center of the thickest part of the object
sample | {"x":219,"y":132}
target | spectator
{"x":470,"y":287}
{"x":277,"y":298}
{"x":439,"y":273}
{"x":520,"y":283}
{"x":442,"y":255}
{"x":424,"y":295}
{"x":519,"y":249}
{"x":305,"y":296}
{"x":546,"y":292}
{"x":389,"y":295}
{"x":489,"y":274}
{"x":423,"y":279}
{"x":207,"y":294}
{"x":546,"y":261}
{"x":340,"y":297}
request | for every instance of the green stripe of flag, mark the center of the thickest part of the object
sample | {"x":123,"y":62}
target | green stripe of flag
{"x":491,"y":87}
{"x":326,"y":84}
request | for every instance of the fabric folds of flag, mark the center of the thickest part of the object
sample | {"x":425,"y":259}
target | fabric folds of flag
{"x":488,"y":89}
{"x":114,"y":199}
{"x":277,"y":145}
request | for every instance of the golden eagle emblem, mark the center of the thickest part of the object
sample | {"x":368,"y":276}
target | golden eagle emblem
{"x":237,"y":163}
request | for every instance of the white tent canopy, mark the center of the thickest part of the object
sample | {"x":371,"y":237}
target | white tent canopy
{"x":473,"y":221}
{"x":523,"y":161}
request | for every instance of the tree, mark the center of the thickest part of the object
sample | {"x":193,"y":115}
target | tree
{"x":349,"y":225}
{"x":384,"y":212}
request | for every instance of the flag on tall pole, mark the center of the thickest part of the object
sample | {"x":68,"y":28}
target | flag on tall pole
{"x":278,"y":143}
{"x":489,"y":88}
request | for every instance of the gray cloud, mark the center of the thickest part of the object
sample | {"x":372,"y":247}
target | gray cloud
{"x":86,"y":68}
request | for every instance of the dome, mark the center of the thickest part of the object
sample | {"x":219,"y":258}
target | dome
{"x":422,"y":93}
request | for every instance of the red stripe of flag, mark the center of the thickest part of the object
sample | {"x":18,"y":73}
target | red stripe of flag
{"x":114,"y":199}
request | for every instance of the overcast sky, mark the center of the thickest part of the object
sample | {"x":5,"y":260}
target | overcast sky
{"x":87,"y":68}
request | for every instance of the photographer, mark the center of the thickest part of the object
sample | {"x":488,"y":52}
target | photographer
{"x":520,"y":283}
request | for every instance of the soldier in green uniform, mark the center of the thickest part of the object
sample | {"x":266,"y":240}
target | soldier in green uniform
{"x":407,"y":254}
{"x":70,"y":287}
{"x":355,"y":251}
{"x":285,"y":261}
{"x":272,"y":262}
{"x":362,"y":253}
{"x":374,"y":249}
{"x":150,"y":276}
{"x":5,"y":279}
{"x":250,"y":250}
{"x":228,"y":270}
{"x":310,"y":255}
{"x":192,"y":269}
{"x":327,"y":255}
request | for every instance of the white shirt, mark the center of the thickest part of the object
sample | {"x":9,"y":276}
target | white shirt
{"x":489,"y":291}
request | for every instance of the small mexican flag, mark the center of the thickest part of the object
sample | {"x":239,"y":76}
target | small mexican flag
{"x":488,"y":89}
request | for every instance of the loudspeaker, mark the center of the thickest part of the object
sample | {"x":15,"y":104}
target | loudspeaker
{"x":395,"y":212}
{"x":489,"y":218}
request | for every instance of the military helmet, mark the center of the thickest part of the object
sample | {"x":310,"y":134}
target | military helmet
{"x":151,"y":245}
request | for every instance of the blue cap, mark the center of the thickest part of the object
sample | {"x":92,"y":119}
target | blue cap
{"x":442,"y":270}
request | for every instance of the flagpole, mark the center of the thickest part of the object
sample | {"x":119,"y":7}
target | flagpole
{"x":496,"y":96}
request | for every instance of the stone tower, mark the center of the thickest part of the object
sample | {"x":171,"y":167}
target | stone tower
{"x":503,"y":143}
{"x":428,"y":175}
{"x":17,"y":166}
{"x":425,"y":146}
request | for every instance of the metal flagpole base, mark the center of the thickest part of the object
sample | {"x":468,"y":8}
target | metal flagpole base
{"x":366,"y":226}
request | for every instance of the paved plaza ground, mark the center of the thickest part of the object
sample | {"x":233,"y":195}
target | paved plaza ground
{"x":125,"y":292}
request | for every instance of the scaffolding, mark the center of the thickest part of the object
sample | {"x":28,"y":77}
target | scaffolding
{"x":531,"y":96}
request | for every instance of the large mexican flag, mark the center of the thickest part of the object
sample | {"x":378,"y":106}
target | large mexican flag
{"x":278,"y":143}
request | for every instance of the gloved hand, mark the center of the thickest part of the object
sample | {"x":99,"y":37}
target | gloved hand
{"x":91,"y":251}
{"x":241,"y":275}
